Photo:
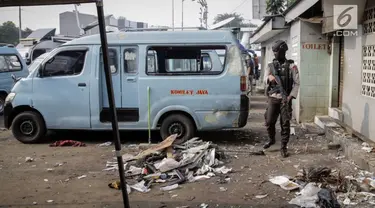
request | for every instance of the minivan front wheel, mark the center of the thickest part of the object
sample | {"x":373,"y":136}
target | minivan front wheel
{"x":28,"y":127}
{"x":177,"y":124}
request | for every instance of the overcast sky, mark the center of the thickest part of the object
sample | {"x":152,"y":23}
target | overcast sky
{"x":153,"y":12}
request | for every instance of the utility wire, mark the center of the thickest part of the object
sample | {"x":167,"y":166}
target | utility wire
{"x":239,"y":6}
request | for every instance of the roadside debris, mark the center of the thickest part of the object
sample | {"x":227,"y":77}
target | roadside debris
{"x":117,"y":185}
{"x":173,"y":164}
{"x":82,"y":176}
{"x":35,"y":203}
{"x":223,"y":189}
{"x":71,"y":143}
{"x":106,"y":144}
{"x":367,"y":148}
{"x":333,"y":146}
{"x":49,"y":201}
{"x":169,"y":188}
{"x":203,"y":205}
{"x":45,"y":180}
{"x":261,"y":196}
{"x":284,"y":183}
{"x":29,"y":159}
{"x":322,"y":187}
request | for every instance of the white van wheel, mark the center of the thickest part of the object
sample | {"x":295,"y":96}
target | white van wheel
{"x":2,"y":104}
{"x":28,"y":127}
{"x":177,"y":124}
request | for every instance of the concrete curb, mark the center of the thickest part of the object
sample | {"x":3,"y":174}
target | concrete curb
{"x":352,"y":147}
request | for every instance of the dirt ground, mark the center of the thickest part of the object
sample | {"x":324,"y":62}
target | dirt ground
{"x":24,"y":183}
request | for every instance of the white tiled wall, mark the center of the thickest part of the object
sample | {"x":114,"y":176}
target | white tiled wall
{"x":314,"y":73}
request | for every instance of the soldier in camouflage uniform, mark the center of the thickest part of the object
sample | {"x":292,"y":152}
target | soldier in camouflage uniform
{"x":282,"y":79}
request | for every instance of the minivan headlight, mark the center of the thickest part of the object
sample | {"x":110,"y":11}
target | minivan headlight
{"x":10,"y":97}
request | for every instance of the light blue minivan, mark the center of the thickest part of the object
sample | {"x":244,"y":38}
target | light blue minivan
{"x":11,"y":66}
{"x":170,"y":81}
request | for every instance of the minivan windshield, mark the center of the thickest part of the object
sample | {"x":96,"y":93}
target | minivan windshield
{"x":37,"y":61}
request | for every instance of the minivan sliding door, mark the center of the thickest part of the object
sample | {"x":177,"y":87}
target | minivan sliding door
{"x":129,"y":111}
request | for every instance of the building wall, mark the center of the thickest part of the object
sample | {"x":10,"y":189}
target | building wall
{"x":314,"y":72}
{"x":359,"y":80}
{"x":68,"y":23}
{"x":295,"y":54}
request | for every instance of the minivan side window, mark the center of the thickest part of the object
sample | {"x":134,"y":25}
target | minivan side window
{"x":130,"y":60}
{"x":112,"y":60}
{"x":9,"y":63}
{"x":65,"y":63}
{"x":184,"y":60}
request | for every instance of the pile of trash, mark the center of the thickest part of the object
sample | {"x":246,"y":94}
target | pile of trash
{"x":326,"y":188}
{"x":171,"y":165}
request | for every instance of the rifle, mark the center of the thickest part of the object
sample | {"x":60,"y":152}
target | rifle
{"x":279,"y":87}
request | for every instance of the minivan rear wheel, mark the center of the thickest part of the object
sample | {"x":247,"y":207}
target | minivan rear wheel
{"x":178,"y":124}
{"x":28,"y":127}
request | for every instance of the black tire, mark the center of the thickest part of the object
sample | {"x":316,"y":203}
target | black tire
{"x":181,"y":123}
{"x":31,"y":122}
{"x":2,"y":103}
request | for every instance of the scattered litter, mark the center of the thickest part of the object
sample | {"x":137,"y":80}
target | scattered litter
{"x":326,"y":198}
{"x":82,"y":176}
{"x":292,"y":131}
{"x":167,"y":164}
{"x":366,"y":147}
{"x":71,"y":143}
{"x":49,"y":201}
{"x":106,"y":144}
{"x":203,"y":205}
{"x":45,"y":180}
{"x":340,"y":157}
{"x":223,"y":189}
{"x":58,"y":164}
{"x":127,"y":157}
{"x":333,"y":146}
{"x":261,"y":196}
{"x":29,"y":159}
{"x":35,"y":203}
{"x":117,"y":185}
{"x":141,"y":187}
{"x":284,"y":183}
{"x":169,"y":188}
{"x":134,"y":171}
{"x":173,"y":196}
{"x":308,"y":196}
{"x":66,"y":180}
{"x":50,"y":169}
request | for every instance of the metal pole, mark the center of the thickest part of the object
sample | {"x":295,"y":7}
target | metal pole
{"x":20,"y":23}
{"x":173,"y":15}
{"x":112,"y":106}
{"x":182,"y":18}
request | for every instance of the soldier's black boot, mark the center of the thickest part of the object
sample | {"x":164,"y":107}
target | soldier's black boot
{"x":284,"y":151}
{"x":269,"y":143}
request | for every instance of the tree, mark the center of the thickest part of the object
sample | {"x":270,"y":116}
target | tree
{"x":9,"y":33}
{"x":289,"y":3}
{"x":26,"y":32}
{"x":275,"y":7}
{"x":237,"y":22}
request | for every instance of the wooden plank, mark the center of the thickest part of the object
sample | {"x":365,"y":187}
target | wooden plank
{"x":9,"y":3}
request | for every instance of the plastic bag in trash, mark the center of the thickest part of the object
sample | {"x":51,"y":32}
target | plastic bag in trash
{"x":327,"y":199}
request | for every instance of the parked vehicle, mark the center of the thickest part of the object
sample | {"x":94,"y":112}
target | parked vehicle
{"x":12,"y":68}
{"x":170,"y":81}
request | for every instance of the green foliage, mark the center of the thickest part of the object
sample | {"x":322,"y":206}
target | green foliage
{"x":275,"y":7}
{"x":9,"y":33}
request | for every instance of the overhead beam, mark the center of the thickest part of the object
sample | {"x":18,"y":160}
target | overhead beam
{"x":11,"y":3}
